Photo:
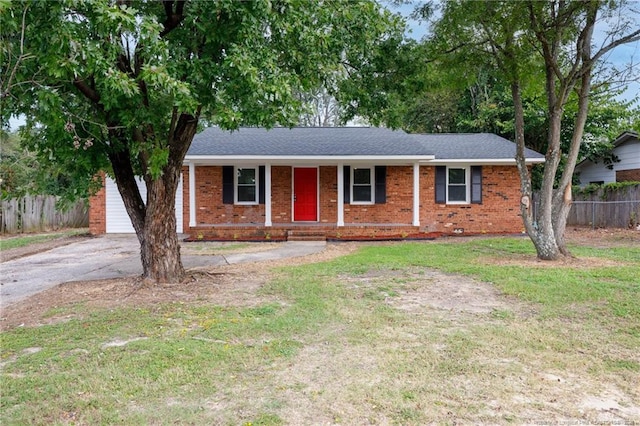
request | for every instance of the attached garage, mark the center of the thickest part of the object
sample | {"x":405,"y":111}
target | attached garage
{"x":117,"y":219}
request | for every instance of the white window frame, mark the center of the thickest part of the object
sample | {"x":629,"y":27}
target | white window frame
{"x":372,"y":183}
{"x":235,"y":185}
{"x":467,"y":185}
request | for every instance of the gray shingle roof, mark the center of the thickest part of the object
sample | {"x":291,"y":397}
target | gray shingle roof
{"x":349,"y":141}
{"x":471,"y":146}
{"x":306,"y":141}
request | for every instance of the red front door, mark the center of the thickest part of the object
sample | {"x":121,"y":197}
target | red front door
{"x":305,"y":194}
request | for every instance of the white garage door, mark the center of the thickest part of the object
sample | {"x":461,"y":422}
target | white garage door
{"x":117,"y":218}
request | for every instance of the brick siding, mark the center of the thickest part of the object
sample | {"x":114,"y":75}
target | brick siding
{"x":498,"y":213}
{"x":98,"y":210}
{"x":632,"y":175}
{"x":328,"y":194}
{"x":209,"y":207}
{"x":398,"y":208}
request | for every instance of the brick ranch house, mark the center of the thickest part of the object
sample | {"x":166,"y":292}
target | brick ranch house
{"x":337,"y":183}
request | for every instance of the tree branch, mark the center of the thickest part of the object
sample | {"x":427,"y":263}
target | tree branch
{"x":547,"y":51}
{"x":173,"y":18}
{"x":87,"y":91}
{"x":630,"y":38}
{"x":6,"y":89}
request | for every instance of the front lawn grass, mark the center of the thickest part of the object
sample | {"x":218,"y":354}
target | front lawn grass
{"x":556,"y":288}
{"x":326,"y":350}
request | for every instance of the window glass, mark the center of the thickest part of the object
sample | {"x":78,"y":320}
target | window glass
{"x":246,"y":190}
{"x":458,"y":193}
{"x":457,"y":176}
{"x":362,"y":176}
{"x":361,"y":188}
{"x":246,"y":194}
{"x":246,"y":176}
{"x":362,"y":193}
{"x":456,"y":187}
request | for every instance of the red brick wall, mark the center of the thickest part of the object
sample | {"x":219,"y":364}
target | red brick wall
{"x":498,"y":213}
{"x":209,"y":207}
{"x":328,"y":194}
{"x":632,"y":175}
{"x":399,"y":206}
{"x":281,"y":178}
{"x":98,"y":210}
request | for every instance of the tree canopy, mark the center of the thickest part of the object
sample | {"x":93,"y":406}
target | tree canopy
{"x":122,"y":86}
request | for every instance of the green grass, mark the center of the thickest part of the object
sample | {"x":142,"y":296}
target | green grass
{"x":325,"y":336}
{"x":25,"y":240}
{"x":179,"y":348}
{"x":210,"y":248}
{"x":556,"y":288}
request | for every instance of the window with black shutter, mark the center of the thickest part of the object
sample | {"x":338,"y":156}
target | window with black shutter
{"x":458,"y":185}
{"x":243,"y":185}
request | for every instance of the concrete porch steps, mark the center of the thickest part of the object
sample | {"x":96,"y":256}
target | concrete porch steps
{"x":306,"y":235}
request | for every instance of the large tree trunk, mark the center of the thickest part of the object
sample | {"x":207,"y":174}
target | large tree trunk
{"x":155,"y":221}
{"x":561,"y":209}
{"x":540,"y":232}
{"x":546,"y":239}
{"x":562,"y":201}
{"x":159,"y":248}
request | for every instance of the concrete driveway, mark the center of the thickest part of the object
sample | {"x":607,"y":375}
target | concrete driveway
{"x":111,"y":256}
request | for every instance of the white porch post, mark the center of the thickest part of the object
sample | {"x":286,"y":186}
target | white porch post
{"x":267,"y":195}
{"x":340,"y":221}
{"x":192,"y":195}
{"x":416,"y":194}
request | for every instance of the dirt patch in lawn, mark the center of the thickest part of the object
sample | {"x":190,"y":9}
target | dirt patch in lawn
{"x":420,"y":290}
{"x":456,"y":294}
{"x":603,"y":237}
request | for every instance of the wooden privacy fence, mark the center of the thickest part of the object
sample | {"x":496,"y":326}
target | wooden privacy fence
{"x":607,"y":208}
{"x":37,"y":213}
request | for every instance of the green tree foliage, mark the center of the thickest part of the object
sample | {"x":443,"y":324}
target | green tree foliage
{"x":22,"y":172}
{"x":16,"y":167}
{"x":523,"y":41}
{"x":122,"y":85}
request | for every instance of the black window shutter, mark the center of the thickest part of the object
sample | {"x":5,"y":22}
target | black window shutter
{"x":347,"y":184}
{"x":261,"y":185}
{"x":476,"y":184}
{"x":441,"y":184}
{"x":381,"y":184}
{"x":227,"y":184}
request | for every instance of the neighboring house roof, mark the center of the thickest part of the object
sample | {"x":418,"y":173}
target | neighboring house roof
{"x":622,"y":138}
{"x":625,"y":137}
{"x":350,"y":143}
